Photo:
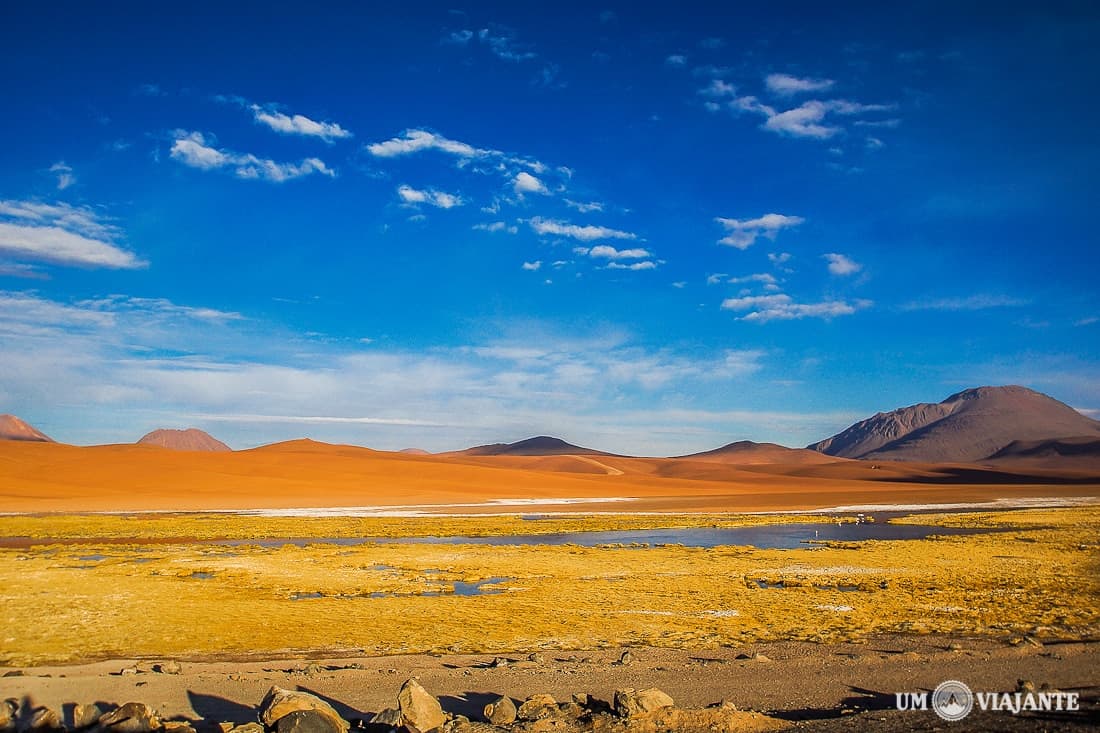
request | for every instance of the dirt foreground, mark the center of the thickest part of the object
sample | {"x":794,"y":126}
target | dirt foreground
{"x":819,"y":686}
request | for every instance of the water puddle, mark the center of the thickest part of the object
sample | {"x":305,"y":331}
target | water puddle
{"x":460,"y":588}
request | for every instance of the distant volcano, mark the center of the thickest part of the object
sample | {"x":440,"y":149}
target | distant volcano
{"x":543,"y":445}
{"x":970,"y":426}
{"x":12,"y":428}
{"x":190,"y":439}
{"x":746,"y":452}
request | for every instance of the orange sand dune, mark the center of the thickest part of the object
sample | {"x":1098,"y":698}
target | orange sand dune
{"x":46,"y":477}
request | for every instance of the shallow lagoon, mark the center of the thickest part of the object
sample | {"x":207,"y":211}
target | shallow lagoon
{"x":776,"y":536}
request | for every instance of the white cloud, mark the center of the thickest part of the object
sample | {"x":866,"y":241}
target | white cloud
{"x":645,"y":265}
{"x":524,"y":182}
{"x":841,"y":264}
{"x":193,"y":150}
{"x":61,"y":234}
{"x":767,"y":280}
{"x":718,"y":89}
{"x":430,"y":196}
{"x":299,"y":125}
{"x":743,"y":233}
{"x":584,"y":207}
{"x":603,"y":251}
{"x":809,"y":119}
{"x":532,"y":266}
{"x":679,"y":284}
{"x":500,"y":41}
{"x":803,"y":121}
{"x":588,"y":233}
{"x":873,"y":143}
{"x":786,"y":85}
{"x":779,"y":258}
{"x":496,"y":226}
{"x":781,"y":307}
{"x":65,"y":177}
{"x":415,"y":141}
{"x":676,"y":59}
{"x":716,"y":278}
{"x":966,"y":303}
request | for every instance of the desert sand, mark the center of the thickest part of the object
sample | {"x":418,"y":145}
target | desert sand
{"x":50,"y":477}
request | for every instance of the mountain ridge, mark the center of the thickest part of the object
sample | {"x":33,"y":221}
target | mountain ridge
{"x":968,"y":426}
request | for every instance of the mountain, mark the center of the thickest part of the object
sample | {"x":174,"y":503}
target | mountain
{"x":543,"y":445}
{"x":12,"y":428}
{"x":970,"y":426}
{"x":190,"y":439}
{"x":746,"y":452}
{"x":415,"y":452}
{"x":1082,"y":452}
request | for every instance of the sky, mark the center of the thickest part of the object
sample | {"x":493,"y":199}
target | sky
{"x":645,"y":228}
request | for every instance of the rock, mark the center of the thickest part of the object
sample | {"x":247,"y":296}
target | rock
{"x":128,"y":671}
{"x":312,"y":669}
{"x":133,"y":717}
{"x":307,"y":721}
{"x":388,"y":717}
{"x":85,"y":716}
{"x":536,"y":658}
{"x":180,"y":726}
{"x":420,"y":711}
{"x":1032,"y":641}
{"x":629,"y":703}
{"x":169,"y":667}
{"x":246,"y":728}
{"x":14,"y":673}
{"x":581,"y":698}
{"x":500,"y":662}
{"x":8,"y":710}
{"x":501,"y":711}
{"x":758,"y":657}
{"x":278,"y":703}
{"x":954,"y":647}
{"x":1025,"y":686}
{"x":537,"y":707}
{"x":626,"y":658}
{"x":44,"y":719}
{"x":461,"y":725}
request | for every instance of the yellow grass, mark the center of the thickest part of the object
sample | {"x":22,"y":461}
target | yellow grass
{"x":194,"y":600}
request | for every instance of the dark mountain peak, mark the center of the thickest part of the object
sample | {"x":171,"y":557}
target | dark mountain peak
{"x":540,"y":445}
{"x":968,"y":426}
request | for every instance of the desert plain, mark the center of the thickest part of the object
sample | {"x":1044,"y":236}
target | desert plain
{"x":321,"y":567}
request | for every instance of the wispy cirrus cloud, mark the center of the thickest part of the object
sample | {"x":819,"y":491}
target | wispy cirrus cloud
{"x":62,"y":234}
{"x":966,"y":303}
{"x":585,"y":233}
{"x":496,"y":226}
{"x":841,"y":264}
{"x":743,"y":233}
{"x":414,"y":141}
{"x":298,"y":124}
{"x":500,"y":40}
{"x":64,"y":173}
{"x":194,"y":150}
{"x":786,"y":85}
{"x":430,"y":196}
{"x":782,"y":307}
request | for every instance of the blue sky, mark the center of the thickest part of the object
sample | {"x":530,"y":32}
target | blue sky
{"x":651,"y":230}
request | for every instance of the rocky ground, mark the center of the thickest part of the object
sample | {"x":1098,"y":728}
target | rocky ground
{"x":813,"y":687}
